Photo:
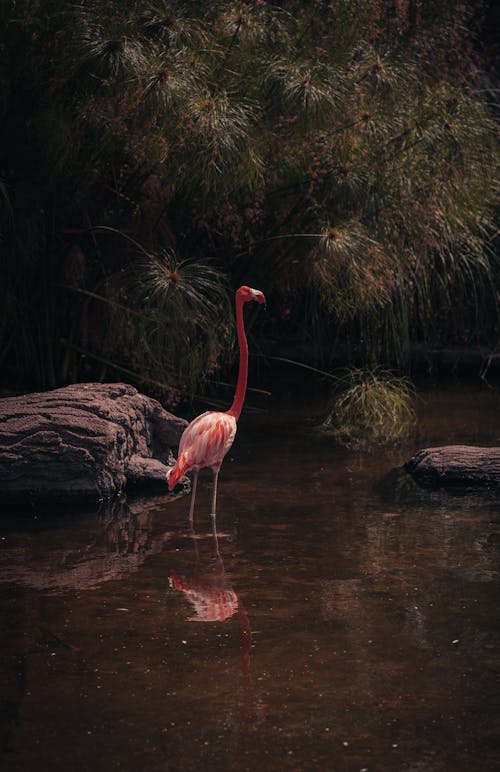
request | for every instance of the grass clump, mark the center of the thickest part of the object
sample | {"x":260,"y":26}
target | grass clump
{"x":370,"y":407}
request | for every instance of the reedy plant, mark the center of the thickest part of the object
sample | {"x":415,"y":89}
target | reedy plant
{"x":301,"y":146}
{"x":167,"y":321}
{"x":369,"y":408}
{"x":187,"y":319}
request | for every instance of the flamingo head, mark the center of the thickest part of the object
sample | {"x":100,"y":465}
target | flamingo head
{"x":247,"y":294}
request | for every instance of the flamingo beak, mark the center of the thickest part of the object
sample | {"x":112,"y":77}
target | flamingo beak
{"x":260,"y":297}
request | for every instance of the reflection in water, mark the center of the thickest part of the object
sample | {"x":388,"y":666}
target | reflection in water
{"x":208,"y":589}
{"x":213,"y":599}
{"x":110,"y":546}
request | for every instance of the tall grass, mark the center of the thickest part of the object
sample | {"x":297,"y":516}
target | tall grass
{"x":339,"y":155}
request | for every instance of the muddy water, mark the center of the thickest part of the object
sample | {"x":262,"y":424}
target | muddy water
{"x":327,"y":627}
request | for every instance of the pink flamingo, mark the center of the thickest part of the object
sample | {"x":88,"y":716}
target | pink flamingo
{"x":207,"y":439}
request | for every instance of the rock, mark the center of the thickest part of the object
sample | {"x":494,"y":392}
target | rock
{"x":455,"y":467}
{"x":88,"y":439}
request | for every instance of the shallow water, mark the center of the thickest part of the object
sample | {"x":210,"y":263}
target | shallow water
{"x":337,"y":628}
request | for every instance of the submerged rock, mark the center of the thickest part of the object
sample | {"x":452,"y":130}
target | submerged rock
{"x":87,"y":439}
{"x":456,"y":466}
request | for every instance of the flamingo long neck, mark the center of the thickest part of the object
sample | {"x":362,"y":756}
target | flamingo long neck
{"x":241,"y":386}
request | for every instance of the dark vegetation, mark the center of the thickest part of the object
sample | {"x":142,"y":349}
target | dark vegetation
{"x":338,"y":155}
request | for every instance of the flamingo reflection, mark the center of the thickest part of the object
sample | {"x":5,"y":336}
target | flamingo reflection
{"x":213,"y":599}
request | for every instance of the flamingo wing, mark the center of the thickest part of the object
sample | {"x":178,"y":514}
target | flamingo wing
{"x":204,"y":442}
{"x":207,"y":439}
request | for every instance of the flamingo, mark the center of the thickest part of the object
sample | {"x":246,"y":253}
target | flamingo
{"x":207,"y":439}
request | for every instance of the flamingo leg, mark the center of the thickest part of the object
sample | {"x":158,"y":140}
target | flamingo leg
{"x":214,"y":491}
{"x":193,"y":496}
{"x":195,"y":546}
{"x":216,"y":542}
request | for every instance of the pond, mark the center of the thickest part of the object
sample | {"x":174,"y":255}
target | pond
{"x":324,"y":625}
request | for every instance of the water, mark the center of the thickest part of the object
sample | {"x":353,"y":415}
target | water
{"x":336,"y":629}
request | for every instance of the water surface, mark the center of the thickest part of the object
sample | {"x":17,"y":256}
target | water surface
{"x":327,"y":627}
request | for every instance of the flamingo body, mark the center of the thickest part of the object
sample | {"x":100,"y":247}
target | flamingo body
{"x":204,"y":442}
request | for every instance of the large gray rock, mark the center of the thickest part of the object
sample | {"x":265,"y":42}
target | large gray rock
{"x":88,"y":439}
{"x":456,"y":466}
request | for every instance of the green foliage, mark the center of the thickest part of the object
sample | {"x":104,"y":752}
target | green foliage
{"x":338,"y":154}
{"x":370,"y":407}
{"x":186,"y":323}
{"x":152,"y":316}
